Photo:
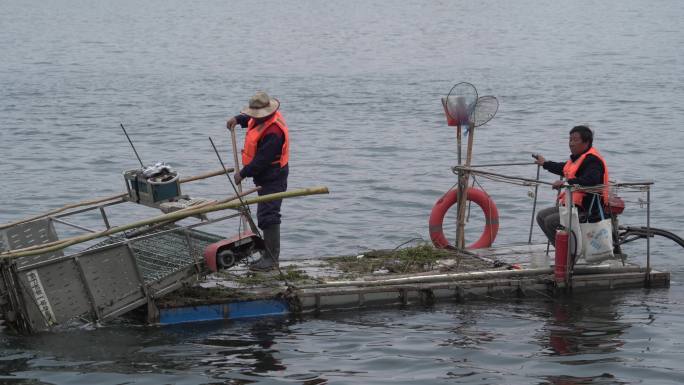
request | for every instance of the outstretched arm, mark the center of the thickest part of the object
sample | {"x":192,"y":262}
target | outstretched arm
{"x":552,"y":167}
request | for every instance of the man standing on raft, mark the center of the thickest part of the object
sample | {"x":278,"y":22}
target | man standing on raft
{"x":265,"y":159}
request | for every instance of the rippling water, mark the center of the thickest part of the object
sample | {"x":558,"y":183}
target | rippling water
{"x":360,"y":83}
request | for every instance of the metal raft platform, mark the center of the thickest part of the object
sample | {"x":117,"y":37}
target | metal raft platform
{"x":312,"y":286}
{"x":99,"y":283}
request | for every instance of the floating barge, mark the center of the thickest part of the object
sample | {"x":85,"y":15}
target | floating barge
{"x":157,"y":268}
{"x":312,"y":286}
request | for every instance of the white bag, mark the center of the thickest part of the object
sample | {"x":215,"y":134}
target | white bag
{"x":576,"y":238}
{"x":597,"y":238}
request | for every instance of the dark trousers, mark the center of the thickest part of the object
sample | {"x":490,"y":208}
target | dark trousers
{"x":268,"y":213}
{"x":549,"y":221}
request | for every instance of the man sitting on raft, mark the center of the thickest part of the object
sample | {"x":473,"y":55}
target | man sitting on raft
{"x":586,"y":168}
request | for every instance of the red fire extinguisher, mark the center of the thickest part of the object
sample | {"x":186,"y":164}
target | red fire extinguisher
{"x":561,"y":254}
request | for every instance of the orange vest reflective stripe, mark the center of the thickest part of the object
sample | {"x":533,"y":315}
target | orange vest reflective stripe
{"x":570,"y":170}
{"x":256,"y":132}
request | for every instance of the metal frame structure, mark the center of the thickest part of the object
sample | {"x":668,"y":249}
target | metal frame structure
{"x":640,"y":186}
{"x":120,"y":273}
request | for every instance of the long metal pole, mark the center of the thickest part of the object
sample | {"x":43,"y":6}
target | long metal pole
{"x":503,"y":164}
{"x":648,"y":236}
{"x":456,"y":169}
{"x":134,"y":150}
{"x":246,"y":217}
{"x":534,"y":206}
{"x":237,"y":190}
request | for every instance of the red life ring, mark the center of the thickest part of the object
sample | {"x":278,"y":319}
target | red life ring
{"x":449,"y":199}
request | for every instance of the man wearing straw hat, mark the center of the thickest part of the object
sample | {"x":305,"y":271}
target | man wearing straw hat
{"x":265,"y":159}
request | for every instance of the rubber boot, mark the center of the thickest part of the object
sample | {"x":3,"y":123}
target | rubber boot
{"x":269,"y":258}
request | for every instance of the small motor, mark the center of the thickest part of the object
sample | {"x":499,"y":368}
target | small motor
{"x":228,"y":252}
{"x":152,"y":185}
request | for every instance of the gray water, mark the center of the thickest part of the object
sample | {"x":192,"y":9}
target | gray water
{"x":360,"y":83}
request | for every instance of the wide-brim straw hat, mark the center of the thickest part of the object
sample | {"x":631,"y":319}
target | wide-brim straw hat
{"x":261,"y":105}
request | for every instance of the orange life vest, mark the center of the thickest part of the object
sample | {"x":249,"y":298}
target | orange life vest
{"x":256,"y":131}
{"x":570,"y":170}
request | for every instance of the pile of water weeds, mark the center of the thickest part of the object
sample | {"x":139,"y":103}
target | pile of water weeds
{"x":419,"y":259}
{"x":237,"y":287}
{"x":291,"y":275}
{"x":240,"y":285}
{"x":197,"y":295}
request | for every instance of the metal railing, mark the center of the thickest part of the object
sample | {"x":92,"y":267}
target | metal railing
{"x":640,"y":186}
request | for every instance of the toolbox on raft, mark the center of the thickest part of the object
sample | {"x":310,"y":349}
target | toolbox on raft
{"x":147,"y":187}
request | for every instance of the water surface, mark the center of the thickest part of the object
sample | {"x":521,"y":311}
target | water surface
{"x":360,"y":83}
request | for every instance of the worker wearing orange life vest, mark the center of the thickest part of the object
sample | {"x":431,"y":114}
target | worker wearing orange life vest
{"x":265,"y":159}
{"x":586,"y":167}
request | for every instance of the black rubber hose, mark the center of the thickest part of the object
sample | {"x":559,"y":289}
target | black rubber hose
{"x":644,"y":232}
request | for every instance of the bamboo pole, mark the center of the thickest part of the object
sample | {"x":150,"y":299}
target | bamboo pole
{"x":492,"y":274}
{"x":201,"y":205}
{"x":470,"y":276}
{"x":458,"y":141}
{"x":462,"y":193}
{"x":158,"y":224}
{"x":102,"y":200}
{"x":205,"y":176}
{"x":161,"y":218}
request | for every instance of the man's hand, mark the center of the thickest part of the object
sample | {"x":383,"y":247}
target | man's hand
{"x":237,"y":178}
{"x":231,"y":123}
{"x":538,"y":159}
{"x":558,"y":184}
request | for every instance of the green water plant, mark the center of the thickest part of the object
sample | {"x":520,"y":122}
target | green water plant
{"x":421,"y":258}
{"x":289,"y":274}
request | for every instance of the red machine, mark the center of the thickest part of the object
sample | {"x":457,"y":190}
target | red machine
{"x":228,"y":252}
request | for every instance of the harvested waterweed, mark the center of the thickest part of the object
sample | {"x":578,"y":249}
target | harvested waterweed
{"x":421,"y":258}
{"x":290,"y":274}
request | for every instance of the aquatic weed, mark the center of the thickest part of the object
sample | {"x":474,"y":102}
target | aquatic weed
{"x":420,"y":258}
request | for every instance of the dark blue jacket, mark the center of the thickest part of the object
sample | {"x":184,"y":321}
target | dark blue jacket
{"x":590,"y":173}
{"x":269,"y":148}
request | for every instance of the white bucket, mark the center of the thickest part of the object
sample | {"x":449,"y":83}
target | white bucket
{"x":539,"y":261}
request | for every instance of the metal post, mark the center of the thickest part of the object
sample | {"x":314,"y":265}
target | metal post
{"x":104,"y":218}
{"x":648,"y":236}
{"x":188,"y":239}
{"x":534,"y":208}
{"x":62,"y":221}
{"x":568,"y":204}
{"x":138,"y":274}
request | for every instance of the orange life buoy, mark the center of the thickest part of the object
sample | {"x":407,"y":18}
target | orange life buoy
{"x":449,"y":199}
